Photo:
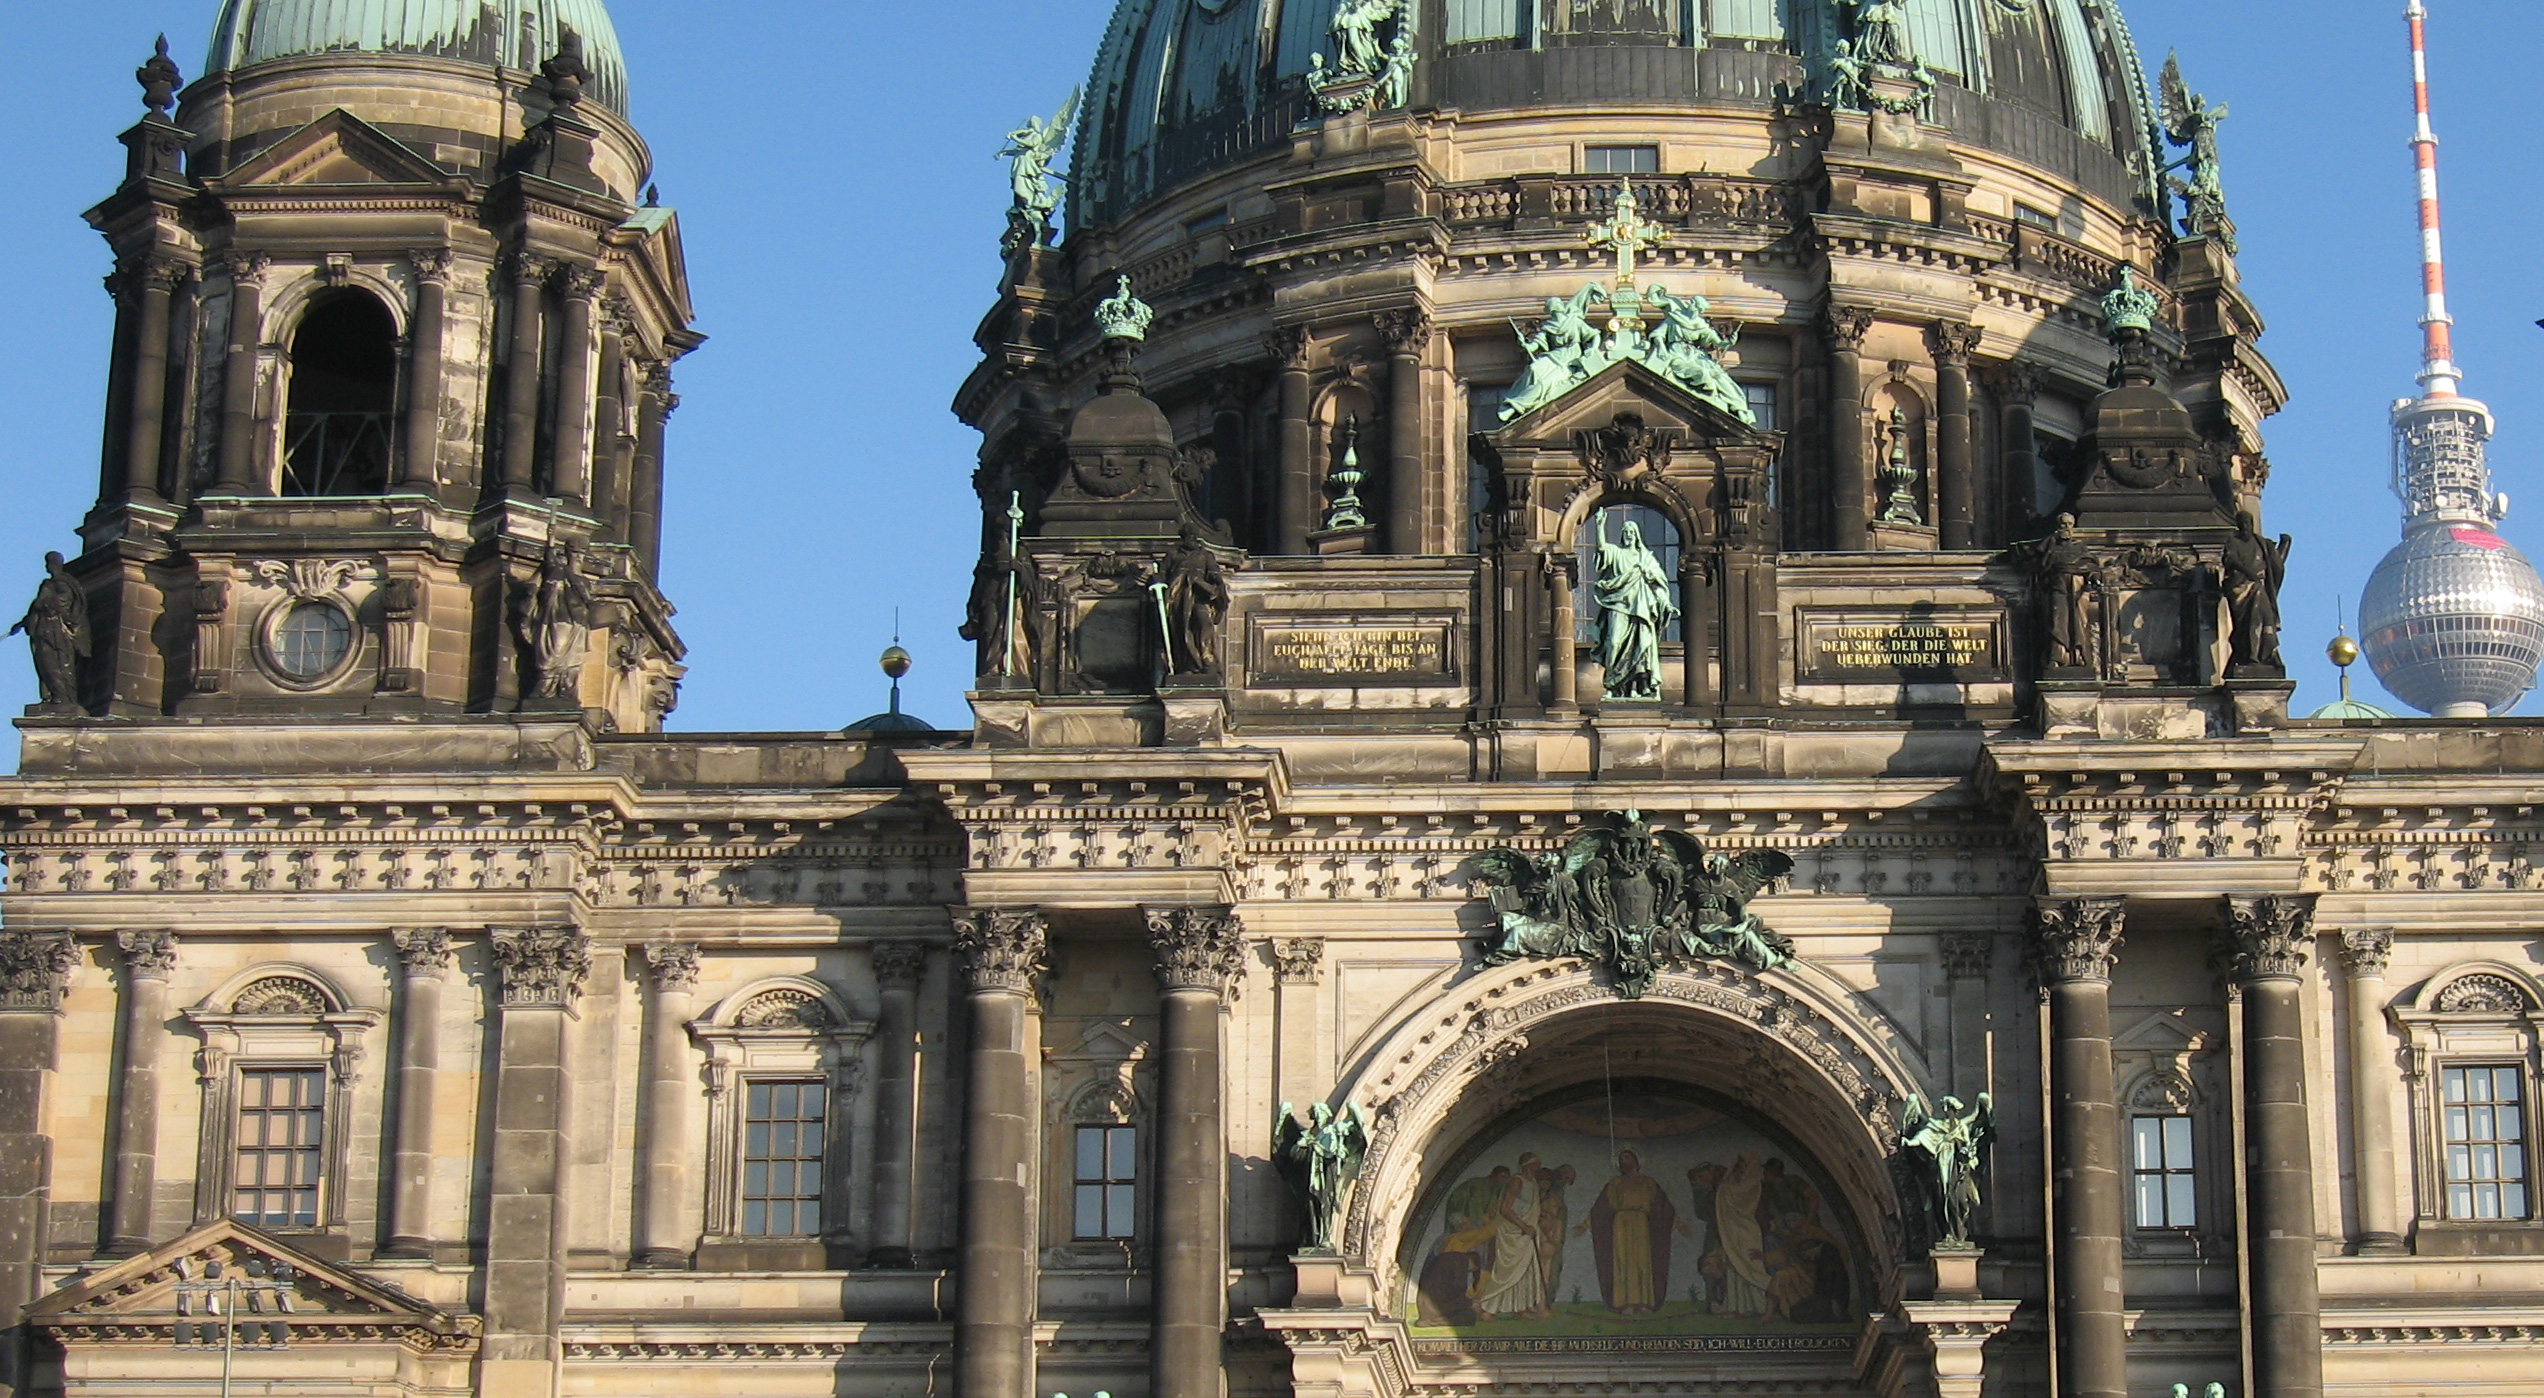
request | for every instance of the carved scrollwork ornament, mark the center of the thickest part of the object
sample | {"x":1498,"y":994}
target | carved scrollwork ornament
{"x":1954,"y":343}
{"x":1002,"y":949}
{"x":2078,"y":939}
{"x":35,"y":969}
{"x":1846,"y":327}
{"x":789,"y":1009}
{"x":2267,"y":937}
{"x":1298,"y":960}
{"x":542,"y":965}
{"x":2483,"y":994}
{"x":280,"y":997}
{"x":1197,"y":948}
{"x":2369,"y":950}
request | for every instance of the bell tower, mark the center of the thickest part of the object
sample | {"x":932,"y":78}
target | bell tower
{"x":395,"y":320}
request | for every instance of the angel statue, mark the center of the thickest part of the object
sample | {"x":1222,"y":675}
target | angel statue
{"x":1634,"y":899}
{"x":1563,"y":350}
{"x":1684,"y":348}
{"x":1029,"y":151}
{"x":1881,"y":33}
{"x":2190,"y":121}
{"x":1952,"y":1144}
{"x":1357,"y":51}
{"x":1320,"y":1158}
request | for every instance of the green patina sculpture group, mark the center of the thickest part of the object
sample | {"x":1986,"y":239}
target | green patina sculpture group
{"x":1634,"y":900}
{"x":1373,"y":60}
{"x":1319,"y":1158}
{"x":2189,"y":121}
{"x":1030,"y":150}
{"x":1879,"y":45}
{"x":1567,"y":350}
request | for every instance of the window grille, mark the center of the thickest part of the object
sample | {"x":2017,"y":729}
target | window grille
{"x":783,"y":1130}
{"x":2164,"y":1186}
{"x":281,"y":1127}
{"x":1107,"y":1181}
{"x":2485,"y":1117}
{"x":1621,"y":160}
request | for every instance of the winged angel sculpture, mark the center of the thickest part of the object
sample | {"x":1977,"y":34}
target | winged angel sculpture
{"x":1634,"y":899}
{"x":2190,"y":121}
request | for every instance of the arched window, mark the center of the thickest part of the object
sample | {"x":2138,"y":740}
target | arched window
{"x":343,"y":398}
{"x":1659,"y":535}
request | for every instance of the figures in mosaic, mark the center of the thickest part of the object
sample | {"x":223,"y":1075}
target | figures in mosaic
{"x":1635,"y":606}
{"x":1635,"y":899}
{"x":1319,"y":1158}
{"x":57,"y":631}
{"x":1949,"y":1145}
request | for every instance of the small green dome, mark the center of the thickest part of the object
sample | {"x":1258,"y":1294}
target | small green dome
{"x":501,"y":33}
{"x":2349,"y":708}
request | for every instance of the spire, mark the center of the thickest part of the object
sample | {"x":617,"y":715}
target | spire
{"x":2439,"y":377}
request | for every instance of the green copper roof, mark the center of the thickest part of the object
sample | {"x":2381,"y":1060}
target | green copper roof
{"x":2349,"y":708}
{"x":509,"y":33}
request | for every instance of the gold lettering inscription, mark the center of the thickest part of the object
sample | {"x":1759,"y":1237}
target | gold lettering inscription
{"x":1905,"y":645}
{"x":1353,"y":650}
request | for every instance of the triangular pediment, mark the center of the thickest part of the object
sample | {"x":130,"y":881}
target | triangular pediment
{"x":2166,"y":1033}
{"x":153,"y":1287}
{"x":1627,"y":387}
{"x":336,"y":149}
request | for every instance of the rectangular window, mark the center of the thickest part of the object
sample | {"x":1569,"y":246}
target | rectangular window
{"x":1486,"y":21}
{"x":1621,"y":160}
{"x":2166,"y":1188}
{"x":2486,"y":1142}
{"x":783,"y":1130}
{"x":1107,"y":1174}
{"x":281,"y":1121}
{"x":1762,"y":404}
{"x":2042,"y":219}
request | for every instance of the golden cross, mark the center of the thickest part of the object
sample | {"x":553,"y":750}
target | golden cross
{"x":1628,"y":232}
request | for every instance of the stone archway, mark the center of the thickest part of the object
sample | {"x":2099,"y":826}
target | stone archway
{"x":1525,"y":1031}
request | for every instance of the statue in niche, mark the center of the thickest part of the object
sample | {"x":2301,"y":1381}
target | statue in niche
{"x":1004,"y":594}
{"x":2255,"y":568}
{"x":1373,"y":58}
{"x":1197,"y":598}
{"x":57,"y":631}
{"x":1634,"y":899}
{"x":1029,"y":151}
{"x":1685,"y":348}
{"x":2190,"y":121}
{"x":556,"y":621}
{"x":1635,"y":604}
{"x":1950,"y":1145}
{"x":1899,"y":476}
{"x":1319,"y":1158}
{"x":1563,"y":350}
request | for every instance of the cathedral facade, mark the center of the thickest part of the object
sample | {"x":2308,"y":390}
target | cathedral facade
{"x":1629,"y":738}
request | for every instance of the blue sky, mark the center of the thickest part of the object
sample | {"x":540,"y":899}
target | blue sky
{"x":842,"y":211}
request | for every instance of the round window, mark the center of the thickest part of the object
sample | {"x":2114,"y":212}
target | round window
{"x":312,"y":641}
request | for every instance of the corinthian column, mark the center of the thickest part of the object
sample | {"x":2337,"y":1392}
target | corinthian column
{"x":423,"y":957}
{"x":1956,"y":485}
{"x":898,"y":967}
{"x":2268,"y":937}
{"x":1850,"y":484}
{"x":1198,"y":953}
{"x":35,"y":969}
{"x":671,"y":1084}
{"x":527,"y":1205}
{"x":2380,"y":1207}
{"x":1408,"y":335}
{"x":2079,"y":941}
{"x":239,"y":473}
{"x":150,"y":957}
{"x":1298,"y":473}
{"x":570,"y":468}
{"x":1002,"y":951}
{"x":521,"y":374}
{"x":421,"y":468}
{"x":2018,"y":388}
{"x":157,"y":281}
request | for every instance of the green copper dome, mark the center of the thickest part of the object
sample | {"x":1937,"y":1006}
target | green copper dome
{"x":502,"y":33}
{"x":1182,"y":87}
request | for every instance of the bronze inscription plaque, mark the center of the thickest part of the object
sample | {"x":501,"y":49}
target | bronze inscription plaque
{"x":1855,"y":644}
{"x":1356,"y":653}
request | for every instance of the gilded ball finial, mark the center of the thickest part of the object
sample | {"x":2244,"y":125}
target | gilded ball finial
{"x":2343,"y":651}
{"x":896,"y":661}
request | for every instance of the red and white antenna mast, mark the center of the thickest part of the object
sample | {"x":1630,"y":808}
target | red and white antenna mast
{"x":2439,"y":377}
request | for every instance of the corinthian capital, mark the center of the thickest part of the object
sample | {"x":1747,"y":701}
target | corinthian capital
{"x":1287,"y":346}
{"x":1406,"y":331}
{"x":2266,"y":937}
{"x":2078,"y":938}
{"x":1954,"y":343}
{"x":35,"y":968}
{"x":1001,"y":948}
{"x":424,"y":951}
{"x":1197,"y":948}
{"x":2369,"y":950}
{"x":1846,"y":327}
{"x":674,"y":964}
{"x":542,"y":965}
{"x":898,"y":965}
{"x":148,"y":952}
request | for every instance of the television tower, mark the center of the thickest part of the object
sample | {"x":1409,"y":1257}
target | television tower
{"x":2453,"y":619}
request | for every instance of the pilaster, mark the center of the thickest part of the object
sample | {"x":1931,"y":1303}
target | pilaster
{"x":541,"y":973}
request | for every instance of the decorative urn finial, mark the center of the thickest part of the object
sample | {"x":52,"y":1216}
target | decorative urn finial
{"x":159,"y":80}
{"x":565,"y":71}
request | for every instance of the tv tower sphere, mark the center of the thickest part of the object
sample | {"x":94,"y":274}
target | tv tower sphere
{"x":2453,"y":619}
